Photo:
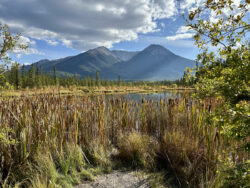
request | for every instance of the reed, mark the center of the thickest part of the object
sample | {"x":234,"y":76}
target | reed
{"x":173,"y":134}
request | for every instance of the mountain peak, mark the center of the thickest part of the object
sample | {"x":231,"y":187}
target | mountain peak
{"x":100,"y":50}
{"x":43,"y":60}
{"x":155,"y":46}
{"x":156,"y":49}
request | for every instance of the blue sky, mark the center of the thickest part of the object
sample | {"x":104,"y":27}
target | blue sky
{"x":60,"y":28}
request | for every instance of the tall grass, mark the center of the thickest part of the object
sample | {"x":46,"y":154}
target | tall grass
{"x":73,"y":132}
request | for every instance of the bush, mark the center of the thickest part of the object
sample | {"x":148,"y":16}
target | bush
{"x":234,"y":176}
{"x":137,"y":149}
{"x":99,"y":156}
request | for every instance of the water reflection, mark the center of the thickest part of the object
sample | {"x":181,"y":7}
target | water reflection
{"x":150,"y":96}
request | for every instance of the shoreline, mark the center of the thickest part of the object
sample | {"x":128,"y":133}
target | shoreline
{"x":90,"y":91}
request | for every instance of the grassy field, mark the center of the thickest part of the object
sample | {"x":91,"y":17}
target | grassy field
{"x":51,"y":140}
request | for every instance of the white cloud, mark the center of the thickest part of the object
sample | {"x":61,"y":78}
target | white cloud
{"x":19,"y":56}
{"x":180,"y":36}
{"x":163,"y":8}
{"x":147,"y":40}
{"x":162,"y":24}
{"x":26,"y":63}
{"x":226,"y":12}
{"x":183,"y":29}
{"x":190,"y":4}
{"x":66,"y":42}
{"x":84,"y":24}
{"x":30,"y":50}
{"x":183,"y":32}
{"x":19,"y":52}
{"x":26,"y":41}
{"x":52,"y":42}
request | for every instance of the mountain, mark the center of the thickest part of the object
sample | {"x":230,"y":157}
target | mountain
{"x":153,"y":63}
{"x":89,"y":62}
{"x":124,"y":55}
{"x":83,"y":64}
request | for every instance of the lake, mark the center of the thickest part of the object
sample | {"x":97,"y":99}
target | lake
{"x":150,"y":96}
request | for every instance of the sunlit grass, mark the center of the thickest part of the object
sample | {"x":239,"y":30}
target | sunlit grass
{"x":53,"y":140}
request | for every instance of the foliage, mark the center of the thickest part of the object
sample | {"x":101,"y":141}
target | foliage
{"x":227,"y":29}
{"x":8,"y":42}
{"x":225,"y":74}
{"x":188,"y":77}
{"x":5,"y":140}
{"x":232,"y":175}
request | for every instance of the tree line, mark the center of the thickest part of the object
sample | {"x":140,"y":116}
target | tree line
{"x":20,"y":77}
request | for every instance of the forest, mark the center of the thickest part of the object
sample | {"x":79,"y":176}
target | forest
{"x":19,"y":77}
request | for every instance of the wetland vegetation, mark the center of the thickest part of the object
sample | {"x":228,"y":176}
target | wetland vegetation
{"x":51,"y":140}
{"x":60,"y":131}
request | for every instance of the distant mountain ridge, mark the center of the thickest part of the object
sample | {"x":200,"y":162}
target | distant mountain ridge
{"x":153,"y":63}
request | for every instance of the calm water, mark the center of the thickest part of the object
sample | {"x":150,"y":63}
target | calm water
{"x":150,"y":96}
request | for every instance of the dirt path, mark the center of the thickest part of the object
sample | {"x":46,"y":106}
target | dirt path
{"x":117,"y":179}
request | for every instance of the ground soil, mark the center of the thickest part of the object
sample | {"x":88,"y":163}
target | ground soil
{"x":117,"y":179}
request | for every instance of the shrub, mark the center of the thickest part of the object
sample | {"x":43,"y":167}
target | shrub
{"x":137,"y":149}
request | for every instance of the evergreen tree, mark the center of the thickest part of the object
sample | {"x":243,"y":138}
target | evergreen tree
{"x":97,"y":81}
{"x":42,"y":80}
{"x":38,"y":77}
{"x":31,"y":79}
{"x":91,"y":80}
{"x":119,"y":81}
{"x":55,"y":76}
{"x":17,"y":76}
{"x":23,"y":77}
{"x":14,"y":76}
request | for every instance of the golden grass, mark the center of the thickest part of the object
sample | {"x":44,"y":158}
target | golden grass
{"x":84,"y":90}
{"x":137,"y":150}
{"x":66,"y":136}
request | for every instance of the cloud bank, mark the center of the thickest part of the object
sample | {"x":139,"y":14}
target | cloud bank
{"x":84,"y":24}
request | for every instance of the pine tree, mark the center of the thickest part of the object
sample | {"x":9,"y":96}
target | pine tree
{"x":14,"y":76}
{"x":17,"y":76}
{"x":42,"y":76}
{"x":31,"y":79}
{"x":23,"y":77}
{"x":91,"y":80}
{"x":55,"y":76}
{"x":119,"y":81}
{"x":97,"y":81}
{"x":38,"y":77}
